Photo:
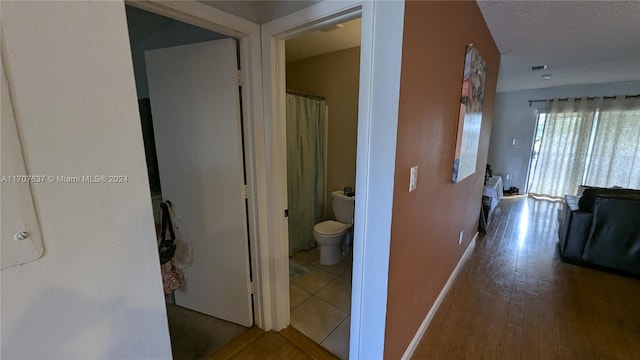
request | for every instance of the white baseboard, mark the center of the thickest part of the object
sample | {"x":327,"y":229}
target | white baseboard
{"x":425,"y":323}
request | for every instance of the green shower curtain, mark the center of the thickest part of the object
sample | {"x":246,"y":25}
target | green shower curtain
{"x":306,"y":137}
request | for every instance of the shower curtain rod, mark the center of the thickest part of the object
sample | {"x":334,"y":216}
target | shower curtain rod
{"x":588,"y":98}
{"x":298,"y":93}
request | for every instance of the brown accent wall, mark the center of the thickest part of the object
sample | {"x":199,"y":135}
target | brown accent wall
{"x":426,"y":223}
{"x":335,"y":76}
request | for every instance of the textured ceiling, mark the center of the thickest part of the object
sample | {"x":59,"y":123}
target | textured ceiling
{"x":321,"y":42}
{"x":583,"y":42}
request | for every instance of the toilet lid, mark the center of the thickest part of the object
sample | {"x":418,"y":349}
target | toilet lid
{"x":330,"y":227}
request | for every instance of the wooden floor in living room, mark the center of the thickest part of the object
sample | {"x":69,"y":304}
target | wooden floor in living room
{"x":515,"y":299}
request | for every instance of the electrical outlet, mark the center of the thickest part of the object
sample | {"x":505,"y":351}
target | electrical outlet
{"x":460,"y":238}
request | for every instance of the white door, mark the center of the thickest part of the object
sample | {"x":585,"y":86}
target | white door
{"x":195,"y":106}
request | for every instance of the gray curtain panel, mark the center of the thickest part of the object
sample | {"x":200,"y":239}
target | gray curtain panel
{"x":306,"y":141}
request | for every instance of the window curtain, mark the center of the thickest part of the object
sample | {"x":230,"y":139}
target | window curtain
{"x":563,"y":151}
{"x":306,"y":138}
{"x":615,"y":158}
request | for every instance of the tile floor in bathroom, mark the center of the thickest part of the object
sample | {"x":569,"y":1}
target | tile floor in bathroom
{"x":321,"y":302}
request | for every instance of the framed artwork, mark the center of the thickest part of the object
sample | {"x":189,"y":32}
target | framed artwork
{"x":470,"y":118}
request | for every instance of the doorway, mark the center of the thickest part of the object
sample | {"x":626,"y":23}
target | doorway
{"x":322,"y":81}
{"x":262,"y":54}
{"x":381,"y":40}
{"x":187,"y":79}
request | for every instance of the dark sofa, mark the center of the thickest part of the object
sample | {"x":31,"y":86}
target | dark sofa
{"x":602,"y":228}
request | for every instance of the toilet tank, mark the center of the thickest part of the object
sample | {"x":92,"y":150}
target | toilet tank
{"x":343,"y":206}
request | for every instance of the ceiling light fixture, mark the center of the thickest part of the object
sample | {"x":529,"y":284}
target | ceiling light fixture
{"x":539,"y":67}
{"x":546,"y":77}
{"x":332,"y":28}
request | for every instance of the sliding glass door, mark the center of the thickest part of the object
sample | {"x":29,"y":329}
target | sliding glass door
{"x":585,"y":141}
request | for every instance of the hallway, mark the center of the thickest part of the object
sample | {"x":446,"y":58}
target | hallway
{"x":515,"y":299}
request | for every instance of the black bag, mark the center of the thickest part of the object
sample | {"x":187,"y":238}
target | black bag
{"x":167,"y":246}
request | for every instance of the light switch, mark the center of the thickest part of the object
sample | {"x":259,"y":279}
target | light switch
{"x":413,"y":179}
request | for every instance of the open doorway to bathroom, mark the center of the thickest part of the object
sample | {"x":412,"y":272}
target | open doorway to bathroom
{"x":322,"y":81}
{"x":190,"y":159}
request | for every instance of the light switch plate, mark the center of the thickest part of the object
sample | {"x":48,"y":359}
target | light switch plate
{"x":413,"y":179}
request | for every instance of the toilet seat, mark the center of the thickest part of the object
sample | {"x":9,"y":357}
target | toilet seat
{"x":330,"y":227}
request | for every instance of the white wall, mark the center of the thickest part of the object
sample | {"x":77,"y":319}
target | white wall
{"x":97,"y":292}
{"x":514,"y":119}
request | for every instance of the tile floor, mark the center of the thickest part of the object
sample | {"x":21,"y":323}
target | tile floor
{"x":321,"y":302}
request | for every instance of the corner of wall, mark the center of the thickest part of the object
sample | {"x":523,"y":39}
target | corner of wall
{"x":427,"y":222}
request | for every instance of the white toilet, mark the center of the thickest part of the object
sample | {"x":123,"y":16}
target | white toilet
{"x":330,"y":234}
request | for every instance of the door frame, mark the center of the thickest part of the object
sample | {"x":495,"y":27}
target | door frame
{"x":263,"y":61}
{"x":248,"y":36}
{"x":381,"y":40}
